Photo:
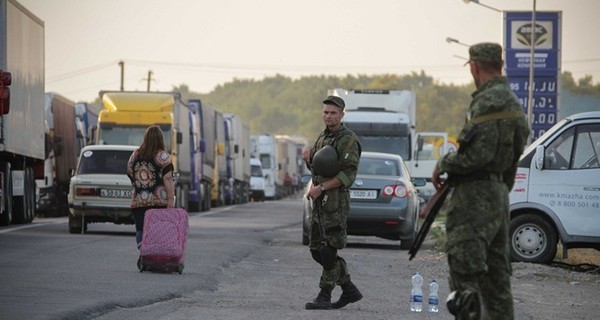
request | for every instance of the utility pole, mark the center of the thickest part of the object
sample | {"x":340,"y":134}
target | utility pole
{"x":149,"y":79}
{"x":122,"y":65}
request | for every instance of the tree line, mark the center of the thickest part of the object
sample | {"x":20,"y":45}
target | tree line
{"x":282,"y":105}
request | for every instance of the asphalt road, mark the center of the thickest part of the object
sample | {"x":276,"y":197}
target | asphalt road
{"x":243,"y":262}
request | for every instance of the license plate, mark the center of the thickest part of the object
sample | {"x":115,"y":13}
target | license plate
{"x":363,"y":194}
{"x":115,"y":193}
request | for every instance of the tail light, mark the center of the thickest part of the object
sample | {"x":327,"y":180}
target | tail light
{"x":86,"y":192}
{"x":398,"y":191}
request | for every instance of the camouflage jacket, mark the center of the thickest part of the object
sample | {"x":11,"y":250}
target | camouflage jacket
{"x":349,"y":155}
{"x":490,"y":146}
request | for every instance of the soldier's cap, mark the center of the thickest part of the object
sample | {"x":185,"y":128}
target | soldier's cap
{"x":485,"y":51}
{"x":336,"y":101}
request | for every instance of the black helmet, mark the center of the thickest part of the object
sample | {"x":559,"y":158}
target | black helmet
{"x":325,"y":162}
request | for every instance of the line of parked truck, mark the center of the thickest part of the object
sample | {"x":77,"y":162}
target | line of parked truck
{"x":42,"y":134}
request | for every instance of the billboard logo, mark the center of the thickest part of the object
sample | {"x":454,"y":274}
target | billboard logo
{"x":521,"y":35}
{"x":524,"y":34}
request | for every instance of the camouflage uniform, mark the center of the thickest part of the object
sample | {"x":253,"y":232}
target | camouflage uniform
{"x":335,"y":211}
{"x":482,"y":174}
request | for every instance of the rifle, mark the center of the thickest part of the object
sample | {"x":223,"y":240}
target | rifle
{"x":320,"y":205}
{"x":430,"y":211}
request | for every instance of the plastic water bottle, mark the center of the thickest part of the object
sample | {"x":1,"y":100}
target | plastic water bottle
{"x":434,"y":300}
{"x":416,"y":294}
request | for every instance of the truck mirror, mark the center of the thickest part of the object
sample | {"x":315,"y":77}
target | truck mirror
{"x":420,"y":143}
{"x":5,"y":81}
{"x":236,"y":149}
{"x":538,"y":157}
{"x":179,"y":138}
{"x":91,"y":135}
{"x":47,"y":145}
{"x":202,"y":145}
{"x":57,"y":146}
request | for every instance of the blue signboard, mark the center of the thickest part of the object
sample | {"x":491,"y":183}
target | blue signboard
{"x":546,"y":63}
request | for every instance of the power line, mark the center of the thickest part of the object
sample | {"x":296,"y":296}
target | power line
{"x":80,"y":72}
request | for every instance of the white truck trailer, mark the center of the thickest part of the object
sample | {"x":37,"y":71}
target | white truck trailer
{"x":21,"y":111}
{"x":237,"y":151}
{"x":266,"y":150}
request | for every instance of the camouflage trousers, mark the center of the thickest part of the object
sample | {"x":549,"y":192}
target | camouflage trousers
{"x":339,"y":274}
{"x":478,"y":245}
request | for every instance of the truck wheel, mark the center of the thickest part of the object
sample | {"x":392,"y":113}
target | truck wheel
{"x":532,"y":239}
{"x":31,"y":195}
{"x":22,"y":205}
{"x":6,"y":216}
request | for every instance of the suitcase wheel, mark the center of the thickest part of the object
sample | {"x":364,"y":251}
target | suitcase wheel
{"x":140,"y":264}
{"x":180,"y":268}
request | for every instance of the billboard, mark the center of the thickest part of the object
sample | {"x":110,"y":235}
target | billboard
{"x":546,"y":63}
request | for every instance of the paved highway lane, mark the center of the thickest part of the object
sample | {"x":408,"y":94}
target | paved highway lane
{"x":243,"y":262}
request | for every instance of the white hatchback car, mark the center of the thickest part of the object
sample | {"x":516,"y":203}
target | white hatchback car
{"x":100,"y":190}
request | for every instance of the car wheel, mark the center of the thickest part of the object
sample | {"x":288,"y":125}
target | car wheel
{"x":532,"y":239}
{"x":305,"y":240}
{"x":75,"y":225}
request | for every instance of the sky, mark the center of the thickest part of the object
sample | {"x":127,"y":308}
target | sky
{"x":204,"y":43}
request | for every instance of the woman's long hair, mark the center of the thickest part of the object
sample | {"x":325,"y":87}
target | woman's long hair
{"x":152,"y":144}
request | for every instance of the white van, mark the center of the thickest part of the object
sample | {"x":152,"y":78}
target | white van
{"x":257,"y":181}
{"x":556,"y":195}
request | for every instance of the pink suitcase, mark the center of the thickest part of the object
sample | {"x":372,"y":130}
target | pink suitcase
{"x":164,"y":240}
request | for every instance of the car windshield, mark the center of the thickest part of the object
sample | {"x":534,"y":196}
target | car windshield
{"x":104,"y":162}
{"x":386,"y":144}
{"x":377,"y":166}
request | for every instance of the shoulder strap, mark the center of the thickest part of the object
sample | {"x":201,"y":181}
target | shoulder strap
{"x":353,"y":140}
{"x":498,"y":116}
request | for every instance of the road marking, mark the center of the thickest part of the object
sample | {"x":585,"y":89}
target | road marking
{"x":33,"y":225}
{"x":214,"y":211}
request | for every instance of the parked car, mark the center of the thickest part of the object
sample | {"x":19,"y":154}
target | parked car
{"x":100,"y":190}
{"x":383,"y":200}
{"x":556,"y":196}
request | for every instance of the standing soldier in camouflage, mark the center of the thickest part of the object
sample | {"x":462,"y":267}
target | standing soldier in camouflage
{"x":481,"y":175}
{"x":334,"y":161}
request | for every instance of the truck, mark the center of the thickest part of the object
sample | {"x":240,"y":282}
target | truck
{"x":385,"y":121}
{"x":257,"y":181}
{"x":205,"y":163}
{"x":64,"y":140}
{"x":556,"y":195}
{"x":266,"y":152}
{"x":237,"y":155}
{"x":87,"y":118}
{"x":220,"y":183}
{"x":127,"y":115}
{"x":21,"y":111}
{"x":288,"y":163}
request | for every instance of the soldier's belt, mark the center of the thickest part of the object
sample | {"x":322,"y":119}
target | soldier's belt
{"x":477,"y":176}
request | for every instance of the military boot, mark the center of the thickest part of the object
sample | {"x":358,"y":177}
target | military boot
{"x":465,"y":305}
{"x":350,"y":294}
{"x":321,"y":302}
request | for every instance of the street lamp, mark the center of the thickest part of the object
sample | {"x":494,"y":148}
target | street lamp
{"x":531,"y":61}
{"x":452,"y":40}
{"x":481,"y":4}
